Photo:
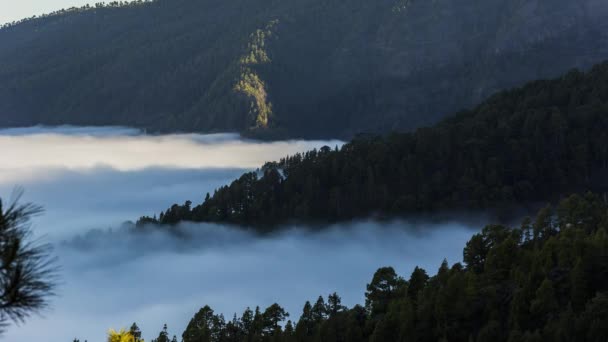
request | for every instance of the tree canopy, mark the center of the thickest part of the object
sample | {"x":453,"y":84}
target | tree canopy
{"x":525,"y":145}
{"x":299,"y":68}
{"x":544,"y":280}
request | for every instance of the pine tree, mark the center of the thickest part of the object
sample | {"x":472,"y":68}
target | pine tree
{"x":381,"y":290}
{"x":135,"y":332}
{"x":163,"y":336}
{"x":334,"y":304}
{"x":417,"y":282}
{"x":27,"y":271}
{"x":305,"y":326}
{"x":319,"y":311}
{"x":273,"y":316}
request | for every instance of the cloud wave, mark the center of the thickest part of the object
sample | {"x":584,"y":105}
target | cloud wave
{"x":89,"y":179}
{"x":31,"y":154}
{"x":113,"y":279}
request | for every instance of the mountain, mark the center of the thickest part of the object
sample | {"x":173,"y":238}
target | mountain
{"x":523,"y":145}
{"x":544,"y":280}
{"x":299,"y":68}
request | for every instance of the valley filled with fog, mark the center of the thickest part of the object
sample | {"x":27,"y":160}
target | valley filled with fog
{"x":91,"y":180}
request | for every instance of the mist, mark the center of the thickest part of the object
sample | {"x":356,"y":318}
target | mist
{"x":111,"y":279}
{"x":31,"y":154}
{"x":92,"y":180}
{"x":89,"y":177}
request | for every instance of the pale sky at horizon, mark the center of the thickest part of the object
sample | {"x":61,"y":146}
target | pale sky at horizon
{"x":11,"y":10}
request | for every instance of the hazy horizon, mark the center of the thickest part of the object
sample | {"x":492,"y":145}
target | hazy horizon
{"x":167,"y":279}
{"x":148,"y":172}
{"x":16,"y":10}
{"x":307,"y":170}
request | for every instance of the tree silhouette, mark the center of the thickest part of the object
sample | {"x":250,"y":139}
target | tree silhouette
{"x":27,"y":269}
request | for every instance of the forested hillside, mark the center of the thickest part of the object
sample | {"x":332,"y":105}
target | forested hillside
{"x":522,"y":145}
{"x":542,"y":281}
{"x":300,"y":68}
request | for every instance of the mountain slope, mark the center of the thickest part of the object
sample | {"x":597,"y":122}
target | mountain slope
{"x":544,"y":280}
{"x":297,"y":68}
{"x":528,"y":144}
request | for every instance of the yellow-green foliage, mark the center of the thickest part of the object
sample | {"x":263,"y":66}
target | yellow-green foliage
{"x":256,"y":49}
{"x":250,"y":83}
{"x":121,"y":336}
{"x":252,"y":86}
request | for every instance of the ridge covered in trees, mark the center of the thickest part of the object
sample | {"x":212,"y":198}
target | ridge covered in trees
{"x":75,"y":9}
{"x":299,"y":68}
{"x":523,"y":145}
{"x":545,"y":280}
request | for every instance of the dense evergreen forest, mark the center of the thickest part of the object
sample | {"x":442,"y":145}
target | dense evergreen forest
{"x":299,"y":68}
{"x":546,"y":280}
{"x":522,"y":145}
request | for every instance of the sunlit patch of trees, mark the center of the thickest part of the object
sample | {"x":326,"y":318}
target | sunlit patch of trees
{"x":326,"y":69}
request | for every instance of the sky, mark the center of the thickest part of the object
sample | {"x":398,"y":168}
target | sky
{"x":91,"y":180}
{"x":12,"y":10}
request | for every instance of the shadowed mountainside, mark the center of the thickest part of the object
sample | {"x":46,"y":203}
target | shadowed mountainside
{"x":302,"y":68}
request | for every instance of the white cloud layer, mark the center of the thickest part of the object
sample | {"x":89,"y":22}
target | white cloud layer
{"x":39,"y":153}
{"x":111,"y":280}
{"x":89,"y":177}
{"x":97,"y":178}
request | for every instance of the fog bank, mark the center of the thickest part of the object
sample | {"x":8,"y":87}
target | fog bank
{"x":114,"y":279}
{"x":97,"y":177}
{"x":91,"y":179}
{"x":30,"y":154}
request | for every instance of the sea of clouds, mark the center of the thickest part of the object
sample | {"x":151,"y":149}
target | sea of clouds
{"x":91,"y":180}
